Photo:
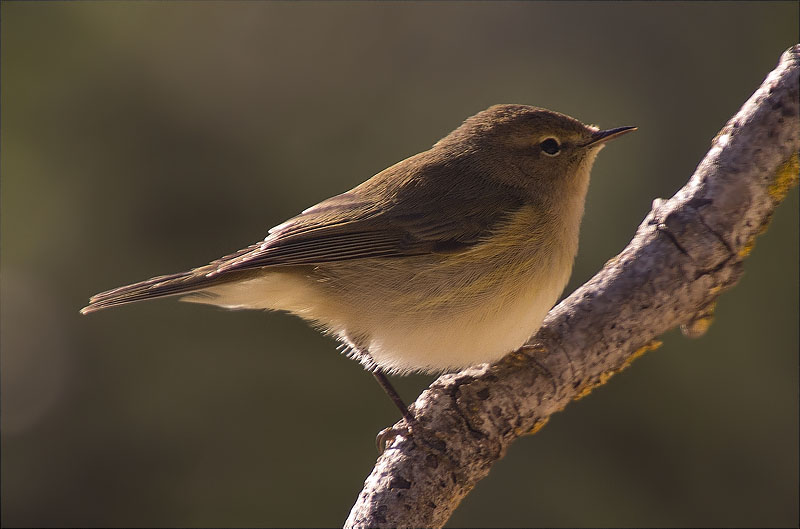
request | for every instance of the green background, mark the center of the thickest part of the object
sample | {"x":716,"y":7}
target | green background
{"x":141,"y":139}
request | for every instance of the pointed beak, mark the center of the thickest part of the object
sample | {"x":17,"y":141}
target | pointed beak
{"x":602,"y":136}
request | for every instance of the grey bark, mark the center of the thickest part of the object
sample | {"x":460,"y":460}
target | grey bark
{"x":687,"y":251}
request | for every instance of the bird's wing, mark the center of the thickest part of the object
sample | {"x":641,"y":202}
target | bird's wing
{"x":383,"y":218}
{"x":348,"y":227}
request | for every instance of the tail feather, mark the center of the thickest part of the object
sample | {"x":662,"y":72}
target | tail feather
{"x":156,"y":287}
{"x":159,"y":287}
{"x":193,"y":280}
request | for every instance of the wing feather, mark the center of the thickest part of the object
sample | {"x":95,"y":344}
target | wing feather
{"x":392,"y":215}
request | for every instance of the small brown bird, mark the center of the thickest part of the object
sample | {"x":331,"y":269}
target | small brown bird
{"x":444,"y":260}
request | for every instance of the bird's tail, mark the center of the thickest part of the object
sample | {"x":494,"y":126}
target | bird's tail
{"x":157,"y":287}
{"x":192,"y":281}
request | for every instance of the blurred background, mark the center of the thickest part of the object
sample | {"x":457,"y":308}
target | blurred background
{"x":146,"y":138}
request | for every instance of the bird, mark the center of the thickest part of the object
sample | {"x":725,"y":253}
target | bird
{"x":447,"y":259}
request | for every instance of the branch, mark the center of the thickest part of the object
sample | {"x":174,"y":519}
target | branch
{"x":687,"y":251}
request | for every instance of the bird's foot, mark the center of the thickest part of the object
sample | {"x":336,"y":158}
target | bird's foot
{"x":386,"y":437}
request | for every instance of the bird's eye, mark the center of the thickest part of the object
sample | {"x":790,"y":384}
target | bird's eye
{"x":550,"y":146}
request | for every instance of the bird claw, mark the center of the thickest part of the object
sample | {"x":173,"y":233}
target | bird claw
{"x":386,"y":437}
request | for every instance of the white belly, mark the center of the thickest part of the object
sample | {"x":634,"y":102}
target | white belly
{"x":402,"y":327}
{"x":484,"y":333}
{"x":428,"y":313}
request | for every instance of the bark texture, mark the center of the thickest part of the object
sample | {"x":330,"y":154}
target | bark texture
{"x":687,"y":251}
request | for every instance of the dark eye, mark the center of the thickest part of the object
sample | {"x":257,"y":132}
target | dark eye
{"x":550,"y":146}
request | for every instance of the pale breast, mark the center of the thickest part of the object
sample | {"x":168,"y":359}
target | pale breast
{"x":436,"y":313}
{"x":427,"y":313}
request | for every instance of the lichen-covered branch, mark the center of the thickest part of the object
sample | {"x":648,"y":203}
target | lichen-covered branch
{"x":687,"y":251}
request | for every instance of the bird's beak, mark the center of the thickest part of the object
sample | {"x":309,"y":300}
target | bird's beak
{"x":602,"y":136}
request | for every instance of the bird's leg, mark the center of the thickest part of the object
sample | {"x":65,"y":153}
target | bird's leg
{"x":389,"y":389}
{"x":353,"y":348}
{"x":387,"y":435}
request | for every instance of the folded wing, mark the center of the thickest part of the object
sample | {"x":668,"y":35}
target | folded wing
{"x":367,"y":222}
